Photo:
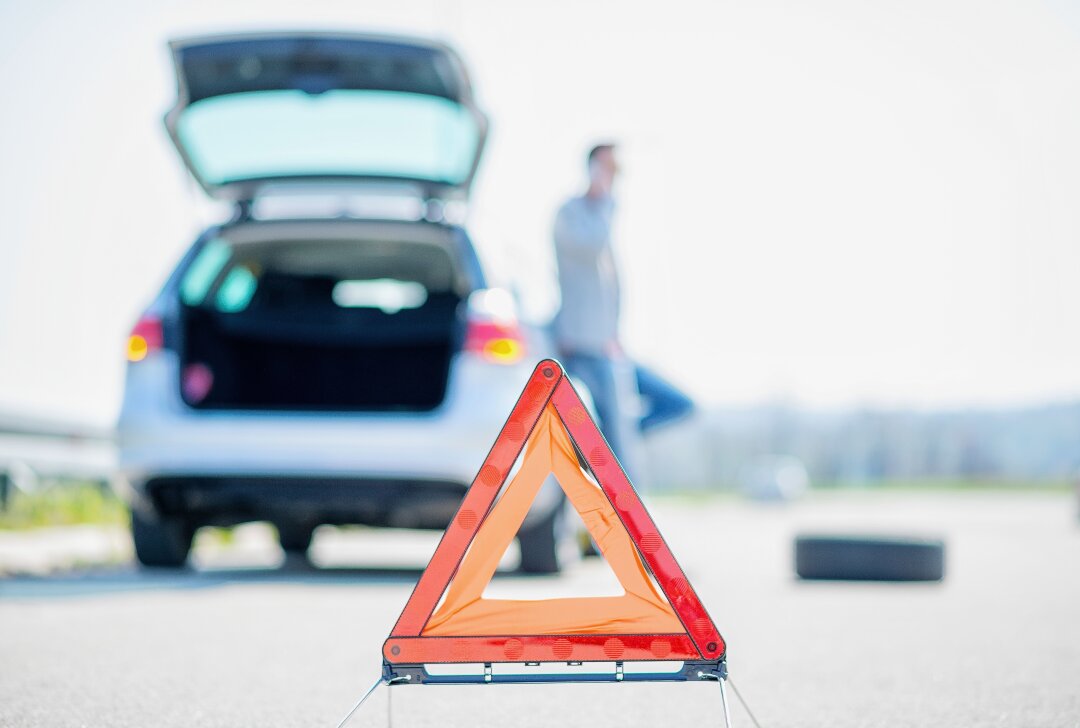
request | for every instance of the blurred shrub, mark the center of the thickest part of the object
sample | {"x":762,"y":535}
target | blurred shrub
{"x":63,"y":504}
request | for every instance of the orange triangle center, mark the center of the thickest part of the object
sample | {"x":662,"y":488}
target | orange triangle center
{"x":640,"y":610}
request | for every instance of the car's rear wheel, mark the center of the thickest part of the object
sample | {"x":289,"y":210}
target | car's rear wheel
{"x":539,"y":546}
{"x":547,"y":546}
{"x":295,"y":538}
{"x":161,"y":541}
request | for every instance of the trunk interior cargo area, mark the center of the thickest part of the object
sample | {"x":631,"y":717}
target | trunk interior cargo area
{"x":322,"y":326}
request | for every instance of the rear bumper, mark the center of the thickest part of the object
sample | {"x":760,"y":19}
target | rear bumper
{"x":420,"y":448}
{"x":227,"y":500}
{"x":407,"y":470}
{"x":160,"y":436}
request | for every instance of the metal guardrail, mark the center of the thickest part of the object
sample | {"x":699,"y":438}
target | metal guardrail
{"x":33,"y":450}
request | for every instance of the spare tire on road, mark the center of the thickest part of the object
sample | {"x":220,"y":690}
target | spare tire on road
{"x":861,"y":558}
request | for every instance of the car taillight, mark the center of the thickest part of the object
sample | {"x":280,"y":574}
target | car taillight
{"x":498,"y":342}
{"x":144,"y":338}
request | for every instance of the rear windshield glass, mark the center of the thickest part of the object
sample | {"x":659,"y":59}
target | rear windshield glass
{"x":271,"y":134}
{"x":203,"y":271}
{"x":349,"y":274}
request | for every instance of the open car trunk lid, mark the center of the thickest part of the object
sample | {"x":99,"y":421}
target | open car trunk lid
{"x":257,"y":109}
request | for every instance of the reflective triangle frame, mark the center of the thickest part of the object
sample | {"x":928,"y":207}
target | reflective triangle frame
{"x":697,"y":648}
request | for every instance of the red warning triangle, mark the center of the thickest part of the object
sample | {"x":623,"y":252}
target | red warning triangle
{"x":447,"y":620}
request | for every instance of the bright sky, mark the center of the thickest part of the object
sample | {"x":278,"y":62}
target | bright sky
{"x":832,"y":203}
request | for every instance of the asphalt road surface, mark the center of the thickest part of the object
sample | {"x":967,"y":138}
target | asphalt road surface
{"x":245,"y":640}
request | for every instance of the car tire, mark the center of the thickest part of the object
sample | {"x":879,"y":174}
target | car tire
{"x":850,"y":558}
{"x":588,"y":547}
{"x":160,"y":541}
{"x":540,"y":545}
{"x":295,"y":538}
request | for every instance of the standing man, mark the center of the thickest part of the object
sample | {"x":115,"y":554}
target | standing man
{"x":587,"y":326}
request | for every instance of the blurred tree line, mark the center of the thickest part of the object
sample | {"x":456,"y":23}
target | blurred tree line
{"x":1037,"y":444}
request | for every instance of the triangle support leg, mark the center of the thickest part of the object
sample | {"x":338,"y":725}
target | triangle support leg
{"x":720,"y":675}
{"x":724,"y":703}
{"x":361,"y":701}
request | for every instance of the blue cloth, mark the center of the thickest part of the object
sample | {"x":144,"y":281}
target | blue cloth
{"x":663,"y":403}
